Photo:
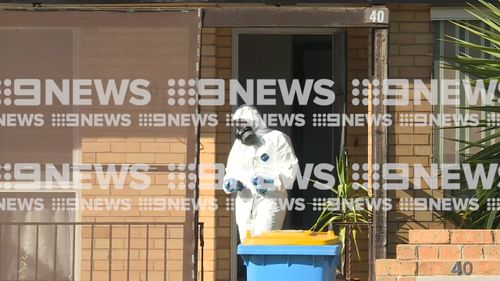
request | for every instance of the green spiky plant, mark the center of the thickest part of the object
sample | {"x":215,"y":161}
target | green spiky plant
{"x":486,"y":67}
{"x":344,"y":191}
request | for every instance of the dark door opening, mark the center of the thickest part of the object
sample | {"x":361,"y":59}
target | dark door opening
{"x":293,"y":56}
{"x":299,"y":56}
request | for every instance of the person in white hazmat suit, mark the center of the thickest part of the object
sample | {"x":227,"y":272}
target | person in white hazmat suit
{"x":261,"y":167}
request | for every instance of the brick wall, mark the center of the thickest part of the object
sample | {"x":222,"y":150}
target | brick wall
{"x":216,"y":63}
{"x":223,"y":141}
{"x":410,"y":57}
{"x":433,"y":252}
{"x":357,"y":68}
{"x":357,"y":137}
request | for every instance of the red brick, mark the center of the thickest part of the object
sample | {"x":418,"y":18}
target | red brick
{"x":414,"y":27}
{"x":424,"y":38}
{"x":486,"y":267}
{"x":395,"y":267}
{"x":491,"y":252}
{"x":414,"y":7}
{"x":434,"y":267}
{"x":401,"y":60}
{"x":125,"y":147}
{"x":471,"y":237}
{"x":423,"y":150}
{"x":401,"y":38}
{"x":472,"y":252}
{"x":406,"y":252}
{"x":450,"y":252}
{"x":423,"y":16}
{"x":402,"y":16}
{"x":96,"y":147}
{"x":496,"y":233}
{"x":429,"y":236}
{"x":428,"y":252}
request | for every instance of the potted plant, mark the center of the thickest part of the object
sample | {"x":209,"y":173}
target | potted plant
{"x":346,"y":216}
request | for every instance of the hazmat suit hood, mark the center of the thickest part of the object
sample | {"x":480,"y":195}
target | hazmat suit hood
{"x":252,"y":117}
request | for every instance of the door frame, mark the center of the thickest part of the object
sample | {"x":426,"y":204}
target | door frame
{"x":234,"y":75}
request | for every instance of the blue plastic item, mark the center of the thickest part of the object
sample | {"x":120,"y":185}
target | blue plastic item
{"x":232,"y":185}
{"x":290,"y":263}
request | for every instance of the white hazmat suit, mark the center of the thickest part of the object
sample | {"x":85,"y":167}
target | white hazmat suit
{"x":272,"y":158}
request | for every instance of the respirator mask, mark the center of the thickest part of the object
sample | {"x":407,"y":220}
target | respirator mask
{"x":246,"y":134}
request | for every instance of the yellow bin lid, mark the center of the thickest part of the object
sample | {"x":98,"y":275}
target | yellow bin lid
{"x":292,"y":237}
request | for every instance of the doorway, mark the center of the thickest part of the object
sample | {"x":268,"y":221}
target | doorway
{"x":295,"y":54}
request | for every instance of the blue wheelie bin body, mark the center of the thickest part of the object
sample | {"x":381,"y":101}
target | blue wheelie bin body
{"x":290,"y":262}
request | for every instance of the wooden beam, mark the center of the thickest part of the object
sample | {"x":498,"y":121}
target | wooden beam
{"x":378,"y":139}
{"x":376,"y":16}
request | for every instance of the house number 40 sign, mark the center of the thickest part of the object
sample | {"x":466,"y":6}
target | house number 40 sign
{"x":462,"y":268}
{"x":377,"y":15}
